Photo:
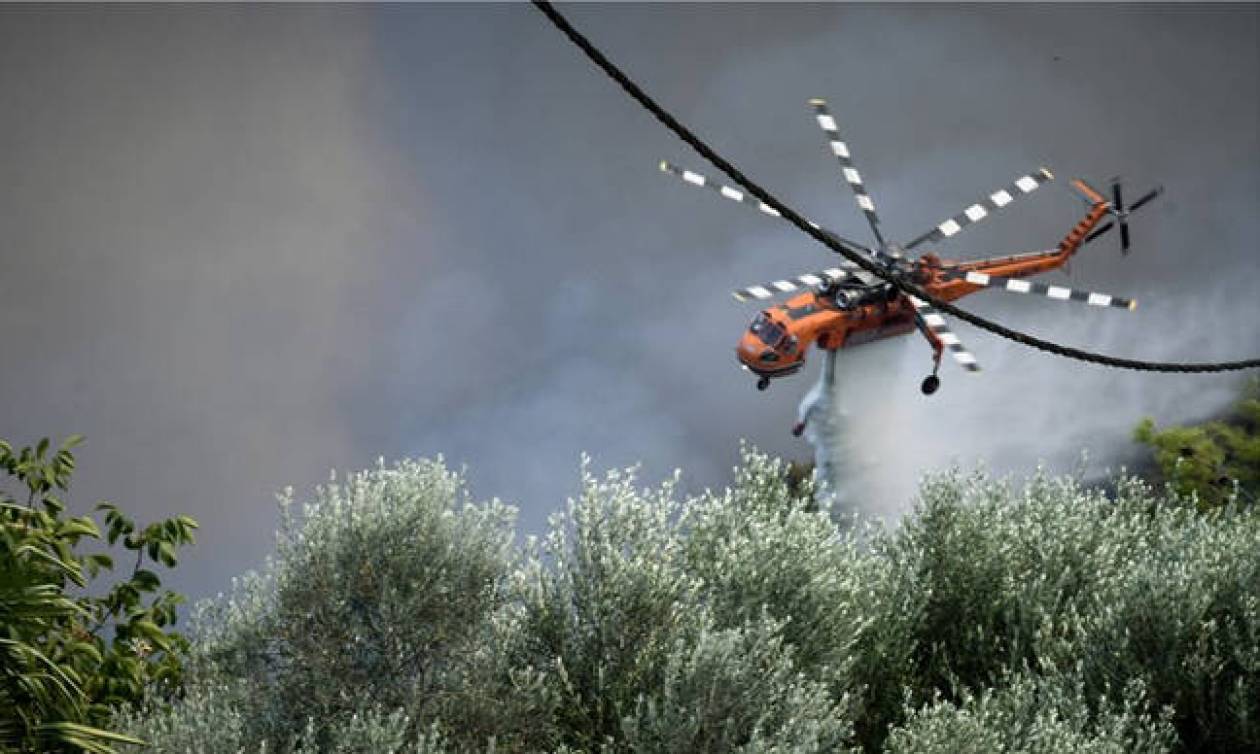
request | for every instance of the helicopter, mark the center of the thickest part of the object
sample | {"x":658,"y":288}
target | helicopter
{"x":845,"y":306}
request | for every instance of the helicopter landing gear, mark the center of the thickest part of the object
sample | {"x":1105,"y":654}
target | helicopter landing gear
{"x":930,"y":384}
{"x":763,"y":383}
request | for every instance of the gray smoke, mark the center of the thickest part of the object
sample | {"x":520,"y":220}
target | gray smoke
{"x":242,"y":245}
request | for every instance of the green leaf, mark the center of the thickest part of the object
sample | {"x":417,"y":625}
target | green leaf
{"x":149,"y":630}
{"x":146,"y":581}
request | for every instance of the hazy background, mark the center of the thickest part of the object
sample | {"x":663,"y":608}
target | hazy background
{"x":242,"y":246}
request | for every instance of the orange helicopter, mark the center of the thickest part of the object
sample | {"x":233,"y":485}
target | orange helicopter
{"x":844,"y":306}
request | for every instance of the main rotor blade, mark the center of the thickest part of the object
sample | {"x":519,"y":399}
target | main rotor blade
{"x":851,"y":175}
{"x":777,"y":287}
{"x":1056,"y":292}
{"x":1022,"y":186}
{"x":933,"y":320}
{"x":696,"y":179}
{"x":750,"y":201}
{"x":1124,"y":236}
{"x":1118,"y":204}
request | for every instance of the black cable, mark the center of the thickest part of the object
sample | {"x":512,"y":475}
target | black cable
{"x":858,"y":258}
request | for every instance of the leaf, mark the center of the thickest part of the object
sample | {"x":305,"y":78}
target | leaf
{"x":82,"y":526}
{"x":145,"y":580}
{"x":148,"y":629}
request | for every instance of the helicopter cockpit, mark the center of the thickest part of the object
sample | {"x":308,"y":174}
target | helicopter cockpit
{"x":766,"y":329}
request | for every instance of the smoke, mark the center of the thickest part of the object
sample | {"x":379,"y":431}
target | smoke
{"x":192,"y":211}
{"x":246,"y":244}
{"x":968,"y":101}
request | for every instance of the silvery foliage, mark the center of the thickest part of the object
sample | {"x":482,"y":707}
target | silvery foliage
{"x":644,"y":650}
{"x":1056,"y":578}
{"x":744,"y":620}
{"x":1034,"y":715}
{"x":209,"y":720}
{"x":735,"y":690}
{"x":383,"y":592}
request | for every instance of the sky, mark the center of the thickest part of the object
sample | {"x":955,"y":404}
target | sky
{"x":243,"y":246}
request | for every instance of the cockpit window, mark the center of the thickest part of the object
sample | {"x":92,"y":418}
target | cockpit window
{"x":765,"y":328}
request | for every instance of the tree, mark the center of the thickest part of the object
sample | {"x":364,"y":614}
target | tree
{"x":61,"y":677}
{"x":1217,"y":461}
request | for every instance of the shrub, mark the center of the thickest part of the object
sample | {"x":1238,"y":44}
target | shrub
{"x":383,"y":589}
{"x":746,"y":620}
{"x":61,"y":678}
{"x":643,"y":651}
{"x":1031,"y":715}
{"x":1217,"y":461}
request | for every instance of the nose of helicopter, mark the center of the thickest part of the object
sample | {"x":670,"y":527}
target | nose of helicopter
{"x":757,"y":357}
{"x":748,"y":351}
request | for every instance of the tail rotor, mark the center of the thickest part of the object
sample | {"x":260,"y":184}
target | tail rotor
{"x":1121,"y":213}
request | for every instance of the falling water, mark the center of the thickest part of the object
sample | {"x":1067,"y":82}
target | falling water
{"x":825,"y":422}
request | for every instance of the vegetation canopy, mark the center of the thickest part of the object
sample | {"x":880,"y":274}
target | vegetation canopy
{"x":397,"y":615}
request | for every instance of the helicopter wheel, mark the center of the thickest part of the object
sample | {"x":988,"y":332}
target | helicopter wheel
{"x":930,"y":384}
{"x":763,"y":383}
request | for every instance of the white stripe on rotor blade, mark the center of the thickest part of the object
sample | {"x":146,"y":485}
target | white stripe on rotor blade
{"x":827,"y":123}
{"x":731,"y":193}
{"x":975,"y":212}
{"x":865,"y":203}
{"x":1058,"y":292}
{"x":691,"y":177}
{"x":1001,"y":198}
{"x":834,"y":272}
{"x":979,"y":278}
{"x":964,"y":357}
{"x":852,"y":176}
{"x":1026,"y":184}
{"x":784,"y":285}
{"x":1099,"y":299}
{"x":934,"y":319}
{"x":1019,"y":286}
{"x":840,"y":149}
{"x":949,"y":227}
{"x":811,"y":279}
{"x":948,"y":338}
{"x":768,"y":210}
{"x":760,"y":292}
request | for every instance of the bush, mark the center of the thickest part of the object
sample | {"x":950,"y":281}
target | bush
{"x":383,"y":591}
{"x":746,"y":620}
{"x":1217,"y":461}
{"x":1031,"y":715}
{"x":61,"y":678}
{"x":644,"y":651}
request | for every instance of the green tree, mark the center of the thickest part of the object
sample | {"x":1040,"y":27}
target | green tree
{"x":70,"y":658}
{"x":1217,"y":461}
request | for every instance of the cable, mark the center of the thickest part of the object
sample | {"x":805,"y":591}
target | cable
{"x":858,"y":258}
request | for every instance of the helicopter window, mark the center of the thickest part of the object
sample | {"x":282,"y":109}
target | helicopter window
{"x":765,"y":328}
{"x":803,"y":311}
